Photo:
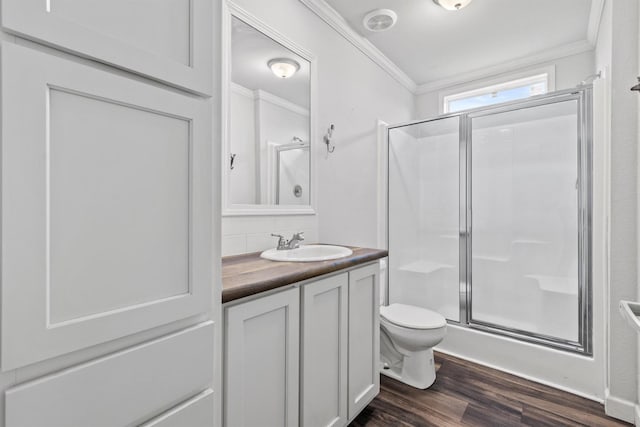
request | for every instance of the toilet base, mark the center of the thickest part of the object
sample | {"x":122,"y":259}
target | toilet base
{"x":416,"y":369}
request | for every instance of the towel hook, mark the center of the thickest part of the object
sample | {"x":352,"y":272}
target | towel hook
{"x":327,"y":139}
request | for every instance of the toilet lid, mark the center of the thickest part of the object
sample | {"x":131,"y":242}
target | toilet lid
{"x":410,"y":316}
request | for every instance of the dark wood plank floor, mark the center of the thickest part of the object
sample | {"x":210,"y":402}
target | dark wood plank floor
{"x":467,"y":394}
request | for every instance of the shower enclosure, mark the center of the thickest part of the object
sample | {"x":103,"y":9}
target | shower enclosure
{"x":489,"y":218}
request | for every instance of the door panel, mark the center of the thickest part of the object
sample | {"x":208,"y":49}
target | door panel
{"x":195,"y":412}
{"x":121,"y":389}
{"x":424,"y":225}
{"x":97,"y":194}
{"x":525,"y":198}
{"x":169,"y":40}
{"x":106,"y":206}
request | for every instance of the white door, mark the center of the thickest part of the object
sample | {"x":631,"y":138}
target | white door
{"x":168,"y":40}
{"x":324,"y":352}
{"x":106,"y":206}
{"x":262,"y":361}
{"x":364,"y":337}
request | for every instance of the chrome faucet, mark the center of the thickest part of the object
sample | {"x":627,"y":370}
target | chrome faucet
{"x":295,"y":240}
{"x":293,"y":243}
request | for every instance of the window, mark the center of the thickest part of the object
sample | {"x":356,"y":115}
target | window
{"x":497,"y":93}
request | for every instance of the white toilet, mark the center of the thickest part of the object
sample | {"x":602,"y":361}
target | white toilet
{"x":407,"y":337}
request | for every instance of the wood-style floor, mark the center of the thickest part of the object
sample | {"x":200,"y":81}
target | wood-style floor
{"x":467,"y":394}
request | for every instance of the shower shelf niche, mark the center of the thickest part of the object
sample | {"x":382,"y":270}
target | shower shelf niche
{"x":530,"y":242}
{"x":556,"y":284}
{"x":425,"y":267}
{"x":492,"y":258}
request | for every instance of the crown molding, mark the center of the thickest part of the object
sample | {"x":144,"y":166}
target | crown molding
{"x":595,"y":16}
{"x":338,"y":23}
{"x":508,"y":66}
{"x":240,"y":90}
{"x":261,"y":95}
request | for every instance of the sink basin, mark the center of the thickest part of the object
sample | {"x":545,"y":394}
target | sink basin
{"x":307,"y":253}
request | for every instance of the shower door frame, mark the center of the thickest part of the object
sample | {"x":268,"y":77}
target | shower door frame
{"x":583,"y":97}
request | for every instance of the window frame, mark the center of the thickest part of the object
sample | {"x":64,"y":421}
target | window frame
{"x":492,"y":84}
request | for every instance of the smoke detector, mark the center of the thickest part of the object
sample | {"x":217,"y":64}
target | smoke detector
{"x":379,"y":20}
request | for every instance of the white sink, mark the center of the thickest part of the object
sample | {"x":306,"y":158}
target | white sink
{"x":307,"y":253}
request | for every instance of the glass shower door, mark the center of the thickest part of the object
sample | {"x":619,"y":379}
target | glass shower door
{"x":424,"y":215}
{"x":526,"y":196}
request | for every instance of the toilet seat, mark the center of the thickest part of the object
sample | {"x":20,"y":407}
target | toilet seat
{"x":409,"y":316}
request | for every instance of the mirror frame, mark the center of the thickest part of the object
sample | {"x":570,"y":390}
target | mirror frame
{"x":230,"y":10}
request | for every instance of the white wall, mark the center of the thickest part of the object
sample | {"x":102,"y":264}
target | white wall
{"x":569,"y":71}
{"x":353,"y":93}
{"x":617,"y":53}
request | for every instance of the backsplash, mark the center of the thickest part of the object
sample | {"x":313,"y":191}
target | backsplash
{"x":242,"y":234}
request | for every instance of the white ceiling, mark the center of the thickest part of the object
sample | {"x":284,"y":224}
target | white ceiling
{"x":430,"y":44}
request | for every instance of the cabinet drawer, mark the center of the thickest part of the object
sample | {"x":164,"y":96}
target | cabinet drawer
{"x":168,"y":40}
{"x":195,"y":412}
{"x":105,"y":206}
{"x":121,"y":389}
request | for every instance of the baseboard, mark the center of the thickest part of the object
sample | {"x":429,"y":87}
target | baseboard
{"x":637,"y":415}
{"x":620,"y":408}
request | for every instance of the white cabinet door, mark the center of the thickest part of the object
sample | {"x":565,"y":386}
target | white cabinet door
{"x":168,"y":40}
{"x":324,"y":352}
{"x":262,"y":360}
{"x":364,"y":337}
{"x":106,"y":206}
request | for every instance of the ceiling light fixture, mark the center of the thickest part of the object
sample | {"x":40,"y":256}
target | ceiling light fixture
{"x":452,"y":4}
{"x":379,"y":20}
{"x":283,"y":67}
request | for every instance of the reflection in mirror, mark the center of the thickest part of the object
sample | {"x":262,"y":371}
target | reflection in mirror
{"x":292,"y":170}
{"x":269,"y":121}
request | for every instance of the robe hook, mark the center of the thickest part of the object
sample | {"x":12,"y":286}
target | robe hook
{"x":327,"y":139}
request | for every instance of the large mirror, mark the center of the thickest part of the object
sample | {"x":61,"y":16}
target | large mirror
{"x":268,"y":147}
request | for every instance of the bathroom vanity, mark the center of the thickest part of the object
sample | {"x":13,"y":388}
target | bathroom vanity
{"x":302,"y":339}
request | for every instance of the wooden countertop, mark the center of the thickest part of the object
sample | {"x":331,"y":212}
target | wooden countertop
{"x":248,"y":274}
